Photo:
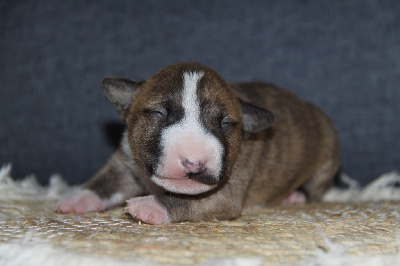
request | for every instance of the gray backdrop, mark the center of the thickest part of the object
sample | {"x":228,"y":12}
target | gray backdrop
{"x":342,"y":55}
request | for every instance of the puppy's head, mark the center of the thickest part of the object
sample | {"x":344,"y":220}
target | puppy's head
{"x":185,"y":126}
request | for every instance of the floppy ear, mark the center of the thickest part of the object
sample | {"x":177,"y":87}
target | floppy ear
{"x":119,"y":92}
{"x":254,"y":118}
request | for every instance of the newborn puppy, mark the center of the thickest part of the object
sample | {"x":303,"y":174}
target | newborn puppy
{"x":197,"y":148}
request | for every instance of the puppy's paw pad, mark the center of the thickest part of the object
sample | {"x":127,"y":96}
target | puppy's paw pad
{"x":81,"y":203}
{"x":148,"y":210}
{"x":295,"y":198}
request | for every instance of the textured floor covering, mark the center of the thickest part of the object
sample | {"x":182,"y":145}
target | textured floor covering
{"x":350,"y":233}
{"x":278,"y":235}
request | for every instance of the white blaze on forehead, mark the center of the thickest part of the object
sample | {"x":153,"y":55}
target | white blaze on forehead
{"x":189,"y":139}
{"x":190,"y":102}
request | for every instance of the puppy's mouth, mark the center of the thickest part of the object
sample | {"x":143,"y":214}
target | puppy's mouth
{"x":191,"y":184}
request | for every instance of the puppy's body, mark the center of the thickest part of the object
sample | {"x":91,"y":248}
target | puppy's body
{"x":196,"y":150}
{"x":301,"y":150}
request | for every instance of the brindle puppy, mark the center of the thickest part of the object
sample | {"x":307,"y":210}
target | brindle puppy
{"x":197,"y":148}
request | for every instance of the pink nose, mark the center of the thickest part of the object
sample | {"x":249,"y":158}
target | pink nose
{"x":193,"y":166}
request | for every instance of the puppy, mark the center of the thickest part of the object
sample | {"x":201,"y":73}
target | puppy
{"x":197,"y":148}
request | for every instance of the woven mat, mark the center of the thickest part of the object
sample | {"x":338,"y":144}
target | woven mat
{"x":278,"y":235}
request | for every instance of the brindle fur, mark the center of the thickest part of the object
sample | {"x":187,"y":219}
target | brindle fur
{"x":299,"y":151}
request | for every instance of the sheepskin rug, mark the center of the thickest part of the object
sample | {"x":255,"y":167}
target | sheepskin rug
{"x":355,"y":226}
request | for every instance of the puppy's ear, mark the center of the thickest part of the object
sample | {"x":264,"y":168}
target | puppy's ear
{"x":119,"y":92}
{"x":254,"y":118}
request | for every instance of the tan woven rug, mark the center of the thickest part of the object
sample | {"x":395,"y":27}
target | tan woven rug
{"x":315,"y":234}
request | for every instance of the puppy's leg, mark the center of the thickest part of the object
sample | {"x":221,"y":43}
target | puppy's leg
{"x":115,"y":182}
{"x":316,"y":186}
{"x":225,"y":204}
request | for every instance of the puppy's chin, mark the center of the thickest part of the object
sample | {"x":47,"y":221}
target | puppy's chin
{"x":182,"y":185}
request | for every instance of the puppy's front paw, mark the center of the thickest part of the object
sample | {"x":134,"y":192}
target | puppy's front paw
{"x":148,"y":210}
{"x":81,"y":203}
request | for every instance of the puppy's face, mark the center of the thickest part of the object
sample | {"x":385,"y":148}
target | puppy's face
{"x":184,"y":126}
